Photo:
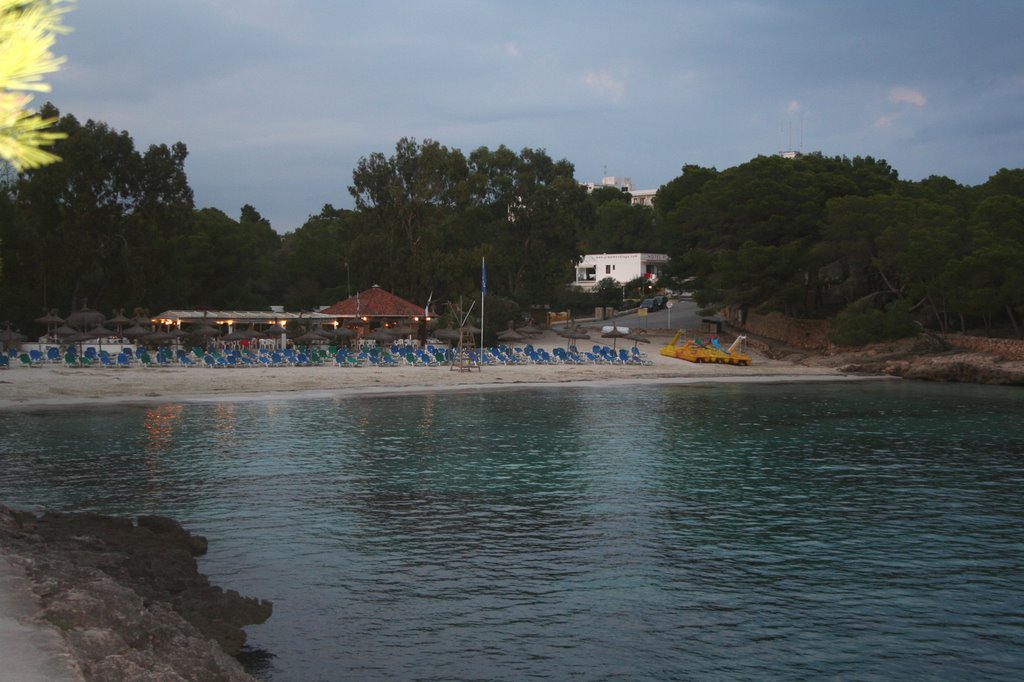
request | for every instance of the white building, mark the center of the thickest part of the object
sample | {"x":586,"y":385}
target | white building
{"x":622,"y":267}
{"x":640,"y":197}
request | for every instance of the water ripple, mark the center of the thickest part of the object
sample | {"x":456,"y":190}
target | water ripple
{"x":727,"y":532}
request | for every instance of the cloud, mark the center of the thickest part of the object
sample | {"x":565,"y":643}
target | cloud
{"x":605,"y":84}
{"x":885,"y":121}
{"x":512,"y":50}
{"x":793,"y":107}
{"x":903,"y":95}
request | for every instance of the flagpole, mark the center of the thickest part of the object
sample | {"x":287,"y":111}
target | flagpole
{"x":483,"y":292}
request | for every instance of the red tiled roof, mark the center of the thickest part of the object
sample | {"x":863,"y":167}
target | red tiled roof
{"x":374,"y":302}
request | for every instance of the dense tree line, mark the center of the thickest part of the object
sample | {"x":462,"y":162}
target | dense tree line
{"x":844,"y":238}
{"x":812,"y":236}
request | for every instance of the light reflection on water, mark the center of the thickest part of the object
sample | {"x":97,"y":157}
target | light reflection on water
{"x":741,"y":531}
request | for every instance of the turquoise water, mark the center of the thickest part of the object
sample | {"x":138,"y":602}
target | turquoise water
{"x":867,"y":530}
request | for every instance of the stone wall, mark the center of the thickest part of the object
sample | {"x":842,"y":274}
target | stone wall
{"x":1008,"y":349}
{"x":805,"y":334}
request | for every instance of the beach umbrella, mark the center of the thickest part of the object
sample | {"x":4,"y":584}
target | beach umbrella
{"x":51,"y":320}
{"x":574,"y":334}
{"x":204,"y":331}
{"x":64,"y":331}
{"x":275,"y":329}
{"x":164,"y":337}
{"x":119,"y":320}
{"x":341,"y":332}
{"x":510,"y":335}
{"x":529,"y":330}
{"x":236,"y":335}
{"x":84,"y":318}
{"x":636,"y":337}
{"x":135,"y":331}
{"x":404,"y":330}
{"x":100,"y":332}
{"x":9,"y":337}
{"x":615,"y":333}
{"x":447,"y":334}
{"x":312,"y":336}
{"x":381,"y":335}
{"x":470,"y":329}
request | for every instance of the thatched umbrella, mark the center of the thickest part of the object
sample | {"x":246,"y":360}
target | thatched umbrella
{"x":135,"y":331}
{"x":99,"y":332}
{"x":341,"y":332}
{"x":381,"y":335}
{"x":636,"y":337}
{"x":236,"y":335}
{"x":510,"y":334}
{"x":313,"y":336}
{"x":119,"y":320}
{"x":615,"y":333}
{"x":404,"y":330}
{"x":64,"y":332}
{"x":52,"y":320}
{"x":529,"y":330}
{"x":9,"y":337}
{"x":84,"y":318}
{"x":204,"y":331}
{"x":574,"y":334}
{"x":447,"y":334}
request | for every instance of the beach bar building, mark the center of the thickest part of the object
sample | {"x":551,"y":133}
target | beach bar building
{"x":276,"y":323}
{"x":376,"y":308}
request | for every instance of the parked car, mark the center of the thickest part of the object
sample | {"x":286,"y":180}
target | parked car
{"x":649,"y":305}
{"x":661,"y":302}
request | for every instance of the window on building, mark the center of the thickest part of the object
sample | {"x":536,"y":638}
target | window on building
{"x":607,"y":269}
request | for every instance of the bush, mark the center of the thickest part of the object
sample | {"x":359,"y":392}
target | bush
{"x":859,"y":324}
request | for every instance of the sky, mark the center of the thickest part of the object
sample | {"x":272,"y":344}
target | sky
{"x":277,"y":101}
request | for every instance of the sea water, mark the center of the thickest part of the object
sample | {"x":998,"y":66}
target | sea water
{"x":852,"y":530}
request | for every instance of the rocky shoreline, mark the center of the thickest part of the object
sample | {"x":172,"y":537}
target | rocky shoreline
{"x":923,"y":358}
{"x":127,"y":597}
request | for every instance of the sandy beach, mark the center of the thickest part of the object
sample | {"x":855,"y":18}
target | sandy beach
{"x":57,"y":385}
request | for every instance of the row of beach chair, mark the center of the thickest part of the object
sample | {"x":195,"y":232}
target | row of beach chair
{"x":395,"y":355}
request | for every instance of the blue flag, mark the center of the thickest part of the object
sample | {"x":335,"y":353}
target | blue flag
{"x":483,"y":275}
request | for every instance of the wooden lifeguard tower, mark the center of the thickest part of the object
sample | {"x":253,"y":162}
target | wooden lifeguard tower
{"x":466,"y":358}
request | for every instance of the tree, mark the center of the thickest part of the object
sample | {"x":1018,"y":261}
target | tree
{"x":409,"y":197}
{"x":768,"y":206}
{"x":316,"y":260}
{"x":102,"y":225}
{"x":534,"y":209}
{"x":618,"y":227}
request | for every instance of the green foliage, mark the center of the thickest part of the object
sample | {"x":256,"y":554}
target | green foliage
{"x":807,"y":236}
{"x":736,"y":219}
{"x":28,"y":30}
{"x":860,"y":324}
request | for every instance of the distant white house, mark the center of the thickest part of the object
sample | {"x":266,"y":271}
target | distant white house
{"x":622,"y":267}
{"x":640,"y":197}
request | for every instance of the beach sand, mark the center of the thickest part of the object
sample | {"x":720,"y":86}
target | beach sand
{"x":56,"y":385}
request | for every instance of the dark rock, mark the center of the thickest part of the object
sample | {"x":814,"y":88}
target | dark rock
{"x":129,"y":598}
